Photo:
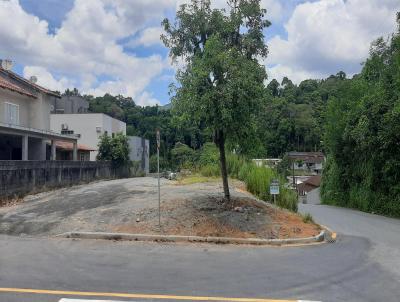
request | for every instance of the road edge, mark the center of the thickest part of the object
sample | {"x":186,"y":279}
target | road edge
{"x":324,"y":235}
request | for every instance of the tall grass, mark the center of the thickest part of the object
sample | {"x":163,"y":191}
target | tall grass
{"x":257,"y":180}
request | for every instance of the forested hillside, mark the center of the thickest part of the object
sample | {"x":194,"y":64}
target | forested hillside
{"x":362,"y":137}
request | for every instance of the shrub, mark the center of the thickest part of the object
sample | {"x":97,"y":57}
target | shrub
{"x":307,"y":218}
{"x":114,"y":149}
{"x":257,"y":179}
{"x":209,"y":155}
{"x":153,"y":163}
{"x":183,"y":156}
{"x":210,"y":170}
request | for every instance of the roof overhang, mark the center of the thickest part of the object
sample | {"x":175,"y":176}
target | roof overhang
{"x":37,"y":133}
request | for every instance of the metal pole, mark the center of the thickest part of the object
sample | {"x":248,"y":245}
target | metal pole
{"x":159,"y":198}
{"x":294,"y":180}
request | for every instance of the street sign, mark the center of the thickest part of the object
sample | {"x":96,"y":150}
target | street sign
{"x":274,"y":187}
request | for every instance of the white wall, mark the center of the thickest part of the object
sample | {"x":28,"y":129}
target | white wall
{"x":85,"y":124}
{"x":138,"y":152}
{"x":23,"y":103}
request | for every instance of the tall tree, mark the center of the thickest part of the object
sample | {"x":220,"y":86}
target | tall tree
{"x":222,"y":84}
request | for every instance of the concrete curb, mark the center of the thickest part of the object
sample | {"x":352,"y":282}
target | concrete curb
{"x":177,"y":238}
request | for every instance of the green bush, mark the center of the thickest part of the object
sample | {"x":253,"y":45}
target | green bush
{"x":257,"y":179}
{"x":153,"y":163}
{"x":307,"y":218}
{"x":209,"y":155}
{"x":183,"y":156}
{"x":114,"y":149}
{"x":210,"y":170}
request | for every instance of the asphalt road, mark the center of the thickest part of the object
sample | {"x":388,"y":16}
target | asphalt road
{"x":382,"y":233}
{"x":363,"y":265}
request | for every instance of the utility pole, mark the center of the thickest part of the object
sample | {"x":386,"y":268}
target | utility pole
{"x":158,"y":177}
{"x":294,"y":179}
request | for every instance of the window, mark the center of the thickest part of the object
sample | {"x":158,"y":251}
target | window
{"x":12,"y":114}
{"x":67,"y":132}
{"x":83,"y":158}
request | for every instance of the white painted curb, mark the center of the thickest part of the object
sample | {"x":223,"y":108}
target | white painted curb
{"x":85,"y":300}
{"x":177,"y":238}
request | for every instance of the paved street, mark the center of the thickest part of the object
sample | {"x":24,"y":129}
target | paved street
{"x":382,"y":233}
{"x":361,"y":266}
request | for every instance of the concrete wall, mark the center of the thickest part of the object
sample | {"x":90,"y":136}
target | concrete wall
{"x":40,"y":112}
{"x":33,"y":113}
{"x":90,"y":126}
{"x":139,"y":152}
{"x":70,"y":104}
{"x":22,"y":177}
{"x":22,"y":101}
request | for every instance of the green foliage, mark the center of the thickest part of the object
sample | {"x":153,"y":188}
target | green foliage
{"x":222,"y":84}
{"x":183,"y":156}
{"x":257,"y":179}
{"x":164,"y":165}
{"x":114,"y":149}
{"x":307,"y":218}
{"x":284,"y":166}
{"x":210,"y":170}
{"x":362,"y":136}
{"x":208,"y":155}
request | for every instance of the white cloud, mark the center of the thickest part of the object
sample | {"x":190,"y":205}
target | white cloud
{"x":330,"y":35}
{"x":45,"y":78}
{"x":280,"y":71}
{"x":85,"y":47}
{"x":146,"y":99}
{"x":148,"y":37}
{"x":274,"y":7}
{"x":324,"y":37}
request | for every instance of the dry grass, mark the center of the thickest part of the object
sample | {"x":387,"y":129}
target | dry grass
{"x":192,"y":179}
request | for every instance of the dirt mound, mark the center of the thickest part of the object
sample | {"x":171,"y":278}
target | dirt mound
{"x":211,"y":216}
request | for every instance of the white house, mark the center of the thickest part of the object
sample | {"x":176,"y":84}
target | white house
{"x":88,"y":126}
{"x":308,"y":161}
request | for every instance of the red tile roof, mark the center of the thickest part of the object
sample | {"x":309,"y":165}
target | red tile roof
{"x":10,"y":86}
{"x":314,"y":180}
{"x":307,"y":157}
{"x":69,"y":146}
{"x":27,"y":82}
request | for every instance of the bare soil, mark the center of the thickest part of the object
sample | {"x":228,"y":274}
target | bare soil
{"x":131,"y":205}
{"x":242,"y":217}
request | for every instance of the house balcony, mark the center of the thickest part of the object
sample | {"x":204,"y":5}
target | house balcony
{"x":24,"y":143}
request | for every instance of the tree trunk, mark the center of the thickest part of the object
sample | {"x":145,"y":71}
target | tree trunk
{"x":220,"y":142}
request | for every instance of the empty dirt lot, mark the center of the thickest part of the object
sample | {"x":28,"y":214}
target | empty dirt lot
{"x":131,"y":205}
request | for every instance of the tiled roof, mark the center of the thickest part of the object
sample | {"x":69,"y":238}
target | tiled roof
{"x":69,"y":146}
{"x":27,"y":82}
{"x":314,"y":180}
{"x":307,"y":157}
{"x":10,"y":86}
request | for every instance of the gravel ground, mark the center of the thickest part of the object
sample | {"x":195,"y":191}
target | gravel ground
{"x":131,"y":205}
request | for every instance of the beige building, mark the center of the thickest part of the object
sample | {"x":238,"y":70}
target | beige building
{"x":88,"y":126}
{"x":25,"y":119}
